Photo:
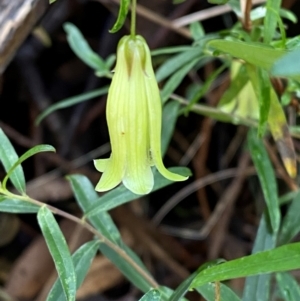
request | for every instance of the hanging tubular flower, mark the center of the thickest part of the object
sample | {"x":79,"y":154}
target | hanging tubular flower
{"x":134,"y":116}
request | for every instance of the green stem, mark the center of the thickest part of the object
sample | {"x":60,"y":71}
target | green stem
{"x":133,"y":18}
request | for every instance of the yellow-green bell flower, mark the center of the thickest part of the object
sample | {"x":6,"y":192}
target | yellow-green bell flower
{"x":134,"y":116}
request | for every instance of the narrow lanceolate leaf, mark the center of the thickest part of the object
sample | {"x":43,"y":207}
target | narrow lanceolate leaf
{"x":87,"y":197}
{"x":152,"y":295}
{"x":258,"y":287}
{"x":264,"y":100}
{"x":123,"y":11}
{"x":277,"y":260}
{"x":197,"y":30}
{"x":208,"y":291}
{"x":257,"y":54}
{"x":177,"y":61}
{"x":206,"y":86}
{"x":82,"y":49}
{"x":288,"y":287}
{"x":266,"y":177}
{"x":9,"y":157}
{"x":71,"y":101}
{"x":280,"y":132}
{"x":288,"y":65}
{"x":270,"y":21}
{"x":290,"y":224}
{"x":31,"y":152}
{"x":17,"y":206}
{"x":169,"y":118}
{"x":184,"y":286}
{"x":59,"y":251}
{"x":175,"y":80}
{"x":82,"y":260}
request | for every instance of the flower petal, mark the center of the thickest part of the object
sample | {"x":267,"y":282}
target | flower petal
{"x":115,"y":165}
{"x":155,"y":116}
{"x":138,"y":174}
{"x":112,"y":175}
{"x":101,"y":164}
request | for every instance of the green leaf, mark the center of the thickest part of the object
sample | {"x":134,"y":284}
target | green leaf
{"x":169,"y":118}
{"x":287,"y":65}
{"x":82,"y":260}
{"x":266,"y":177}
{"x":257,"y":54}
{"x":204,"y":89}
{"x":175,"y":80}
{"x":177,"y":61}
{"x":126,"y":268}
{"x":264,"y":100}
{"x":59,"y":251}
{"x":82,"y":49}
{"x":288,"y":286}
{"x":277,"y":260}
{"x":87,"y":197}
{"x":287,"y":197}
{"x":152,"y":295}
{"x":289,"y":15}
{"x":9,"y":157}
{"x":270,"y":20}
{"x":182,"y":288}
{"x":208,"y":292}
{"x":197,"y":30}
{"x":123,"y":11}
{"x":71,"y":101}
{"x":31,"y":152}
{"x":290,"y":224}
{"x":17,"y":206}
{"x":258,"y":287}
{"x":121,"y":195}
{"x":170,"y":50}
{"x":185,"y":285}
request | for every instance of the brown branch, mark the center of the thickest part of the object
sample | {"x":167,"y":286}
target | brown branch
{"x":247,"y":20}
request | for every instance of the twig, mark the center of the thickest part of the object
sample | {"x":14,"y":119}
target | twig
{"x":247,"y":20}
{"x":191,"y":188}
{"x":126,"y":218}
{"x":199,"y":164}
{"x":16,"y":136}
{"x":205,"y":14}
{"x":234,"y":145}
{"x":226,"y":202}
